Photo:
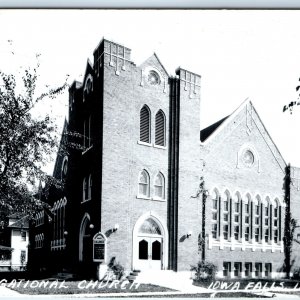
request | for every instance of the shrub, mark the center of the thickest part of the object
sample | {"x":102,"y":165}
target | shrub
{"x":296,"y":273}
{"x":204,"y":271}
{"x":117,"y":268}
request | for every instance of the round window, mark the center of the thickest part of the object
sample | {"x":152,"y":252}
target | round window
{"x":153,"y":78}
{"x":248,"y":158}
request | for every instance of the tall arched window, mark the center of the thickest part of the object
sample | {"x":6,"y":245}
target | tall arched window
{"x":85,"y":192}
{"x":90,"y":187}
{"x":214,"y":210}
{"x":267,"y":220}
{"x":247,"y":214}
{"x":144,"y":184}
{"x":236,"y":216}
{"x":276,"y":226}
{"x":226,"y":222}
{"x":160,"y":129}
{"x":159,"y":186}
{"x":145,"y":127}
{"x":257,"y":218}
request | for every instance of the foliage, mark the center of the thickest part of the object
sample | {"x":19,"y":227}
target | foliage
{"x":292,"y":104}
{"x":117,"y":268}
{"x":25,"y":141}
{"x":201,"y":238}
{"x":290,"y":224}
{"x":204,"y":271}
{"x":296,"y":273}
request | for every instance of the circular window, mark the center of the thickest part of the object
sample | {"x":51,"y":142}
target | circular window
{"x":248,"y":158}
{"x":153,"y":78}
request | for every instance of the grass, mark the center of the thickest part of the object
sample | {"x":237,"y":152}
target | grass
{"x":73,"y":287}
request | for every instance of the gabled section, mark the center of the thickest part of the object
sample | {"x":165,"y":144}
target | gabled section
{"x":246,"y":118}
{"x":89,"y":71}
{"x":154,"y":61}
{"x":61,"y":152}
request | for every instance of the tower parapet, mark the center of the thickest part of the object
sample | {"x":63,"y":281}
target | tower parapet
{"x":113,"y":54}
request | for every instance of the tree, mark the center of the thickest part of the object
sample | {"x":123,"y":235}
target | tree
{"x":25,"y":140}
{"x":202,"y":191}
{"x":289,"y":226}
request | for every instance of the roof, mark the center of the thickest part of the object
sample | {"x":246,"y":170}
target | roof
{"x":6,"y":248}
{"x":21,"y":223}
{"x":17,"y":215}
{"x":206,"y":132}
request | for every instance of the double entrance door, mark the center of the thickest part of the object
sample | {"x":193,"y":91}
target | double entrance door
{"x":150,"y":252}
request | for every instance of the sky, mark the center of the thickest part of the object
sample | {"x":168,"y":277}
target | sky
{"x":238,"y":53}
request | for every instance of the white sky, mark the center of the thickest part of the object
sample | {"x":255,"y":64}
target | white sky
{"x":239,"y":54}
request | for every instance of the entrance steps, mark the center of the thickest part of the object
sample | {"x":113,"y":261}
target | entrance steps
{"x":180,"y":281}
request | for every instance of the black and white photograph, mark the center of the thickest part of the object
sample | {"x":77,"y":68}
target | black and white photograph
{"x":149,"y":153}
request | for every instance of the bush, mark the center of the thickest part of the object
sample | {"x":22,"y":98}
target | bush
{"x":204,"y":271}
{"x":296,"y":273}
{"x":117,"y":268}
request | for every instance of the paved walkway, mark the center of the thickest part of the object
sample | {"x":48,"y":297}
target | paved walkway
{"x":180,"y":281}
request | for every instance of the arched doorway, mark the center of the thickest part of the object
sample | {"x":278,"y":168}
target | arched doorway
{"x":149,"y":243}
{"x":85,"y":240}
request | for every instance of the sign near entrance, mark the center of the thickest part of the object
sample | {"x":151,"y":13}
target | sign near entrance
{"x":99,"y":247}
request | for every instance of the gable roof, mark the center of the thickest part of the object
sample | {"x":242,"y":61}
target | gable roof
{"x":21,"y":223}
{"x":155,"y":57}
{"x":208,"y":134}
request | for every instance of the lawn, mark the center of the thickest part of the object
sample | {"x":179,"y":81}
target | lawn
{"x":82,"y":287}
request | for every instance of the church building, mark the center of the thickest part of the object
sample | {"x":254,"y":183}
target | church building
{"x":143,"y":179}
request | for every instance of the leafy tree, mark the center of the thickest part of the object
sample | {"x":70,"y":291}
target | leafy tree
{"x":25,"y":141}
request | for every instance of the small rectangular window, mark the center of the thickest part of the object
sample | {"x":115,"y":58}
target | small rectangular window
{"x":247,"y":230}
{"x":257,"y":220}
{"x":23,"y":235}
{"x":225,"y":205}
{"x":266,"y":235}
{"x":226,"y":217}
{"x":256,"y":234}
{"x":266,"y":222}
{"x":275,"y":212}
{"x":276,"y":236}
{"x":215,"y":204}
{"x":247,"y":208}
{"x":226,"y":269}
{"x":266,"y":211}
{"x":225,"y":232}
{"x":236,"y":232}
{"x":248,"y":269}
{"x":214,"y":216}
{"x":237,"y":269}
{"x":247,"y":219}
{"x":237,"y":207}
{"x":257,"y":209}
{"x":236,"y":218}
{"x":268,"y":269}
{"x":214,"y":230}
{"x":258,"y":269}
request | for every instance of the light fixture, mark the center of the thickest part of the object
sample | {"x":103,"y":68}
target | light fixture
{"x":91,"y":226}
{"x":189,"y":234}
{"x":66,"y":233}
{"x":206,"y":193}
{"x":116,"y":227}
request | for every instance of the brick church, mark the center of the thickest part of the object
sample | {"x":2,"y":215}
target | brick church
{"x":162,"y":192}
